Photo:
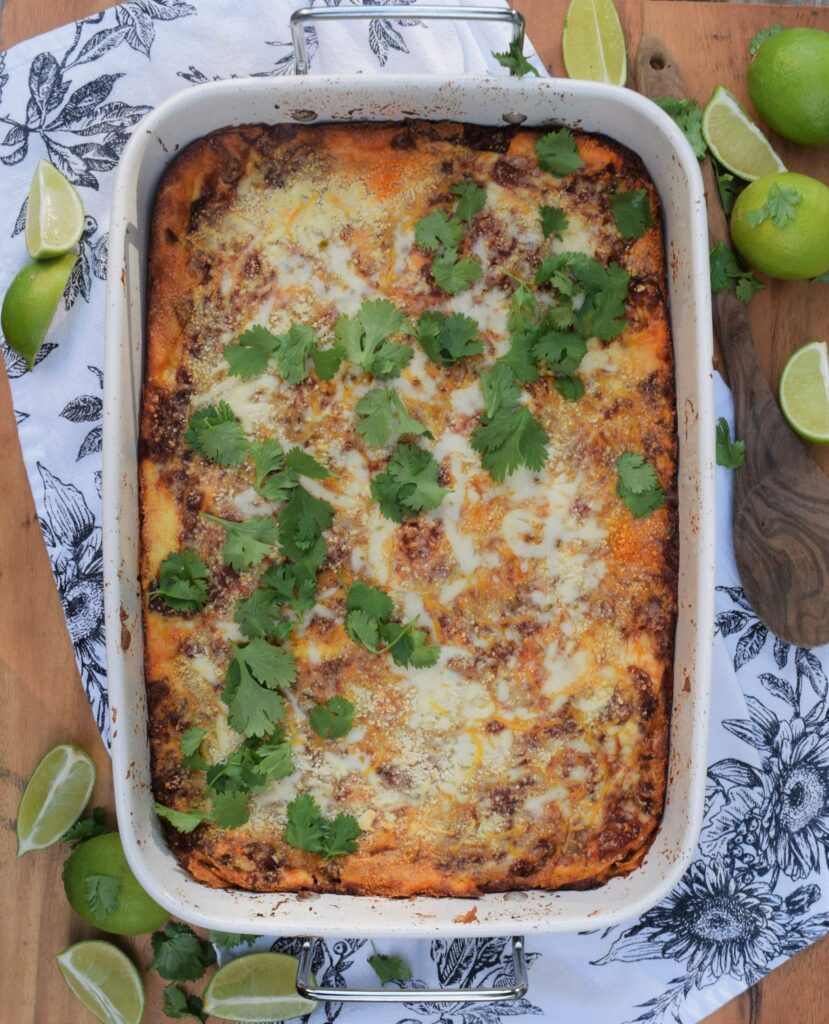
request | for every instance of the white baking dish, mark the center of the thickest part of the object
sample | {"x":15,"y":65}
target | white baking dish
{"x":625,"y":116}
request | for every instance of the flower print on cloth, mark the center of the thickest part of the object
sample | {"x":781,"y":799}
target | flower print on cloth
{"x":73,"y":541}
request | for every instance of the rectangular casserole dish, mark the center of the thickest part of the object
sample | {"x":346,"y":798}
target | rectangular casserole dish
{"x":634,"y":122}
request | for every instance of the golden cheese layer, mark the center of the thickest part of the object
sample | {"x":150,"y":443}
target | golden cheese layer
{"x":533,"y":754}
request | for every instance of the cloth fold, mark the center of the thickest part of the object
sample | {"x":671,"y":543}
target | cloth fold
{"x":756,"y":891}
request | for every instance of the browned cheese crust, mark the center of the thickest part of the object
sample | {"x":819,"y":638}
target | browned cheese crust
{"x":534,"y":754}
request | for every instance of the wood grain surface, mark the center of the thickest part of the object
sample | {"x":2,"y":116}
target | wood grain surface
{"x":42,"y":697}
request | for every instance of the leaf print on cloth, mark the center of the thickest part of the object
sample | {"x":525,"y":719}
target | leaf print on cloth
{"x":329,"y":964}
{"x":16,"y":365}
{"x":135,"y":20}
{"x":87,"y":409}
{"x":91,"y":262}
{"x":73,"y":541}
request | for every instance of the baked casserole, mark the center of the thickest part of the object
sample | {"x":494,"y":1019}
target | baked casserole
{"x":408,"y":509}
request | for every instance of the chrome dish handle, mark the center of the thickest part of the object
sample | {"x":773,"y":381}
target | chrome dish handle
{"x":517,"y":990}
{"x":306,"y":15}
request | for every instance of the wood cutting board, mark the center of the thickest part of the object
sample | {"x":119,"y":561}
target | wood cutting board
{"x":42,"y":695}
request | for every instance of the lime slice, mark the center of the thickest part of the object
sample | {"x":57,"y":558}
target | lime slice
{"x":256,"y":987}
{"x":593,"y":42}
{"x":105,"y":980}
{"x":102,"y":889}
{"x":804,"y":392}
{"x":54,"y":797}
{"x":30,"y":304}
{"x":735,"y":140}
{"x":54,"y":214}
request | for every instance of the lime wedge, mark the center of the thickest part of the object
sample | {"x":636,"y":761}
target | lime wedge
{"x":54,"y":214}
{"x":105,"y":980}
{"x":30,"y":304}
{"x":593,"y":42}
{"x":735,"y":140}
{"x":54,"y":797}
{"x":256,"y":987}
{"x":804,"y":392}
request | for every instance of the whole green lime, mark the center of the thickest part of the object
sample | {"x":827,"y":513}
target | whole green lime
{"x":788,"y":81}
{"x":780,"y":225}
{"x":101,"y":888}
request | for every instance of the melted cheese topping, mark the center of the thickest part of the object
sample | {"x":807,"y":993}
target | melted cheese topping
{"x":533,"y":752}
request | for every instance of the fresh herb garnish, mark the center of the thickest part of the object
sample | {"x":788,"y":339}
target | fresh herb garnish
{"x":251,"y":767}
{"x":369,"y":623}
{"x":182,"y":582}
{"x":779,"y":207}
{"x":438,"y":230}
{"x":257,"y":615}
{"x":101,"y":893}
{"x":179,"y":1004}
{"x":455,"y":275}
{"x":638,"y":485}
{"x":631,"y":212}
{"x":190,"y":742}
{"x":441,"y":234}
{"x":216,"y":434}
{"x":728,"y":187}
{"x":248,"y":542}
{"x":182,"y":821}
{"x":514,"y":59}
{"x":301,"y":524}
{"x":295,"y":347}
{"x":688,"y":116}
{"x":760,"y":37}
{"x":365,"y":338}
{"x":256,"y":671}
{"x":308,"y":829}
{"x":409,"y":484}
{"x":553,"y":221}
{"x":293,"y":584}
{"x":730,"y":454}
{"x":229,"y":940}
{"x":500,"y":388}
{"x":562,"y":352}
{"x":333,"y":719}
{"x":179,"y":954}
{"x":389,"y":968}
{"x":95,"y":825}
{"x":557,"y":153}
{"x":448,"y":338}
{"x":604,"y":289}
{"x":248,"y":356}
{"x":381,"y":414}
{"x":471,"y":200}
{"x":512,"y":437}
{"x":306,"y":465}
{"x":728,"y":272}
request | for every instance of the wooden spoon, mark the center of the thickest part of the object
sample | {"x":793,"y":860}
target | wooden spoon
{"x":781,"y":498}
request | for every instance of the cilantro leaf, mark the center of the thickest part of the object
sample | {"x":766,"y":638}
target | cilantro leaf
{"x":251,"y":767}
{"x":257,"y":614}
{"x":101,"y":893}
{"x":248,"y":542}
{"x":85,"y":828}
{"x":499,"y":387}
{"x":326,"y":360}
{"x":389,"y":968}
{"x":730,"y":454}
{"x":333,"y":719}
{"x":293,"y":584}
{"x":632,"y":212}
{"x":760,"y":37}
{"x":252,"y":709}
{"x":409,"y":485}
{"x":215,"y":432}
{"x":779,"y":207}
{"x":295,"y":346}
{"x":569,"y":387}
{"x":728,"y":187}
{"x":301,"y":523}
{"x":447,"y":339}
{"x":362,"y":629}
{"x":514,"y":59}
{"x":178,"y":1003}
{"x":364,"y":338}
{"x":369,"y":618}
{"x":306,"y":465}
{"x":471,"y":199}
{"x":605,"y":297}
{"x":305,"y":824}
{"x":727,"y":272}
{"x":190,"y":742}
{"x":408,"y":645}
{"x":513,"y":437}
{"x":688,"y":116}
{"x":382,"y":413}
{"x":340,"y":836}
{"x":182,"y":581}
{"x":561,"y":351}
{"x":179,"y":954}
{"x":371,"y":600}
{"x":249,"y":356}
{"x":455,"y":275}
{"x":230,"y":810}
{"x":182,"y":821}
{"x":557,"y":153}
{"x":553,"y":221}
{"x":438,"y":230}
{"x":268,"y":457}
{"x":822,"y":278}
{"x":637,"y":484}
{"x":229,"y":940}
{"x":265,"y":663}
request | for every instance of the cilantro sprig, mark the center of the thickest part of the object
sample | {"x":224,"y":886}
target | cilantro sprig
{"x":553,"y":221}
{"x":637,"y":484}
{"x":261,"y":613}
{"x":179,"y":954}
{"x":101,"y":893}
{"x":514,"y":59}
{"x":182,"y":582}
{"x":730,"y":454}
{"x":632,"y":212}
{"x":510,"y":438}
{"x":250,"y":355}
{"x":448,"y":338}
{"x":334,"y":719}
{"x":409,"y":483}
{"x":688,"y":116}
{"x":369,"y":623}
{"x":389,"y":968}
{"x":246,"y":542}
{"x":257,"y":671}
{"x":557,"y":153}
{"x":308,"y":829}
{"x":442,"y":233}
{"x":727,"y":272}
{"x":365,"y":338}
{"x":85,"y":828}
{"x":215,"y":432}
{"x":760,"y":37}
{"x":179,"y":1004}
{"x":382,"y":414}
{"x":779,"y":207}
